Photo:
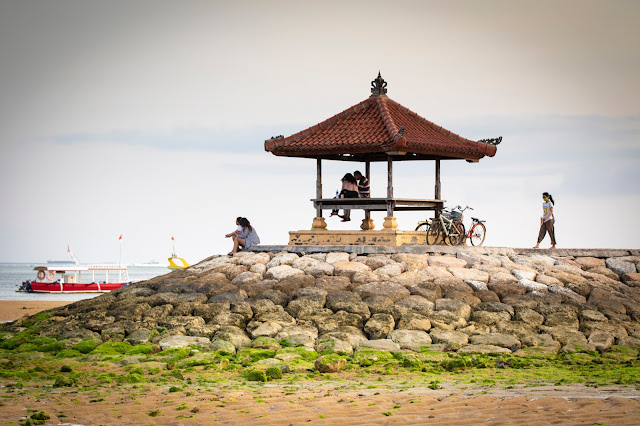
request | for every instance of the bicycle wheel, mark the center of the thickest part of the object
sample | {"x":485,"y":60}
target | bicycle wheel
{"x":478,"y":232}
{"x":423,"y":226}
{"x":463,"y":237}
{"x":433,"y":233}
{"x":455,"y":234}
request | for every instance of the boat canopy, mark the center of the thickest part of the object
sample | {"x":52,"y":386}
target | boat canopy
{"x":75,"y":268}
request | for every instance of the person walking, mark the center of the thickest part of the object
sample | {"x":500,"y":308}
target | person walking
{"x":547,"y":221}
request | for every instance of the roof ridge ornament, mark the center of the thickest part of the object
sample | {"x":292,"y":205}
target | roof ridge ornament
{"x":379,"y":86}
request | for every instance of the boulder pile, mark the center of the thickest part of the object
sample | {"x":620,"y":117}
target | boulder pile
{"x":340,"y":303}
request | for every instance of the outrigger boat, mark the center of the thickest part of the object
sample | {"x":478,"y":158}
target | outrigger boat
{"x":172,"y":264}
{"x":69,"y":279}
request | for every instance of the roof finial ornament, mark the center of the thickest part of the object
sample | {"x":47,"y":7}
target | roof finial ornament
{"x":379,"y":86}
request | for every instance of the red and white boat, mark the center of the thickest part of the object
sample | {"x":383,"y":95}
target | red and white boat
{"x":77,"y":279}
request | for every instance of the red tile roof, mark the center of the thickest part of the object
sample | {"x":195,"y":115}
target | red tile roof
{"x":374,"y":128}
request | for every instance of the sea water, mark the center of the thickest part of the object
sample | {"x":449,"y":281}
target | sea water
{"x":12,"y":275}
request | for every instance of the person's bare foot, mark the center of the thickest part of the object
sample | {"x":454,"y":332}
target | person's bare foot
{"x":536,"y":246}
{"x":553,"y":247}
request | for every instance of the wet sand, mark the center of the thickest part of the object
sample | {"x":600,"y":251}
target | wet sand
{"x":331,"y":403}
{"x":11,"y":310}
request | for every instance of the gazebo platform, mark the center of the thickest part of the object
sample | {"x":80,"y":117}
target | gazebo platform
{"x":384,"y":237}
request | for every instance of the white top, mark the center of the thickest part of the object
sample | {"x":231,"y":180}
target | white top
{"x":239,"y":228}
{"x":546,"y":210}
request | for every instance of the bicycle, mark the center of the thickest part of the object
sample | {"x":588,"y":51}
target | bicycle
{"x":478,"y":230}
{"x":448,"y":223}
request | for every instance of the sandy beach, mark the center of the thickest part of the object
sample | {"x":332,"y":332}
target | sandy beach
{"x":11,"y":310}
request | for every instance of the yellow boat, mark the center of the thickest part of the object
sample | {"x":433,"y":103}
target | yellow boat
{"x":172,"y":264}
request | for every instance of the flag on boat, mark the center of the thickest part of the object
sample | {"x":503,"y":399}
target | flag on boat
{"x":120,"y":239}
{"x":172,"y":239}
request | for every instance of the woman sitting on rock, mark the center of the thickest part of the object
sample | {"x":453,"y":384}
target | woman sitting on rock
{"x":246,"y":238}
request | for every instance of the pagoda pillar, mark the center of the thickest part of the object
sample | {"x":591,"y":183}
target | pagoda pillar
{"x":438,"y":188}
{"x":318,"y":221}
{"x":390,"y":221}
{"x":367,"y":222}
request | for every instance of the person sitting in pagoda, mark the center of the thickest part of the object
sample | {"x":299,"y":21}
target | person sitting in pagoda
{"x":363,"y":184}
{"x":349,"y":190}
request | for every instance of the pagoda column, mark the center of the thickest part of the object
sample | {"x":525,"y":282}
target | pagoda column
{"x":367,"y":222}
{"x":438,"y":188}
{"x":390,"y":221}
{"x":318,"y":222}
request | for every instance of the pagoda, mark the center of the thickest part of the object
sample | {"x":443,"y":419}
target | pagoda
{"x":376,"y":129}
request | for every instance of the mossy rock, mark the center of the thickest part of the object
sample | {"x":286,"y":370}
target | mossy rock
{"x":132,"y":378}
{"x":256,"y":376}
{"x":265,"y":342}
{"x":247,"y":356}
{"x":87,"y":346}
{"x":331,"y":363}
{"x":112,"y":348}
{"x":274,"y":373}
{"x":63,"y":382}
{"x":307,"y":354}
{"x":366,"y":357}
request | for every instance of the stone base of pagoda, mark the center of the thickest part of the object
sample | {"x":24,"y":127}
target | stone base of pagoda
{"x":384,"y":237}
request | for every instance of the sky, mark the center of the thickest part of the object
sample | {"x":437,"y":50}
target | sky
{"x":147,"y":119}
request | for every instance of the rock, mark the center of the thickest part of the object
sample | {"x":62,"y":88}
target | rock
{"x":565,"y":335}
{"x":629,"y":342}
{"x":452,"y":285}
{"x":456,"y":307}
{"x":413,"y":321}
{"x":608,"y":273}
{"x":567,"y":294}
{"x":275,"y":296}
{"x":453,"y":339}
{"x":388,"y":289}
{"x":333,"y":284}
{"x":304,"y":307}
{"x":380,"y":345}
{"x":258,"y":268}
{"x":281,"y":272}
{"x":414,"y":262}
{"x":547,"y":280}
{"x":292,"y":283}
{"x":445,"y":320}
{"x":282,"y":259}
{"x":524,"y":275}
{"x":320,"y":269}
{"x":375,"y":261}
{"x":503,"y":288}
{"x":348,"y":269}
{"x":483,"y":349}
{"x":176,"y":342}
{"x":490,"y":318}
{"x":332,"y":345}
{"x":337,"y":257}
{"x":469,"y":274}
{"x":417,"y":304}
{"x":390,"y":270}
{"x":234,"y":335}
{"x":428,"y":290}
{"x":297,"y":336}
{"x":233,"y":296}
{"x":587,"y":263}
{"x":589,"y":315}
{"x":501,"y":278}
{"x":254,"y":289}
{"x":331,"y":363}
{"x":351,"y":335}
{"x":410,"y":339}
{"x":364,"y":277}
{"x":266,"y":329}
{"x":631,"y":279}
{"x":486,"y":296}
{"x":477,"y":285}
{"x":223,"y":346}
{"x":408,"y":279}
{"x":447,"y":261}
{"x":474,"y":259}
{"x":620,"y":267}
{"x":246,"y":278}
{"x":533,"y":286}
{"x":437,"y":272}
{"x":464,"y":297}
{"x":601,"y":340}
{"x":529,"y":316}
{"x":379,"y":326}
{"x":304,"y":262}
{"x":139,"y":337}
{"x":496,"y":339}
{"x":349,"y":302}
{"x":225,"y":318}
